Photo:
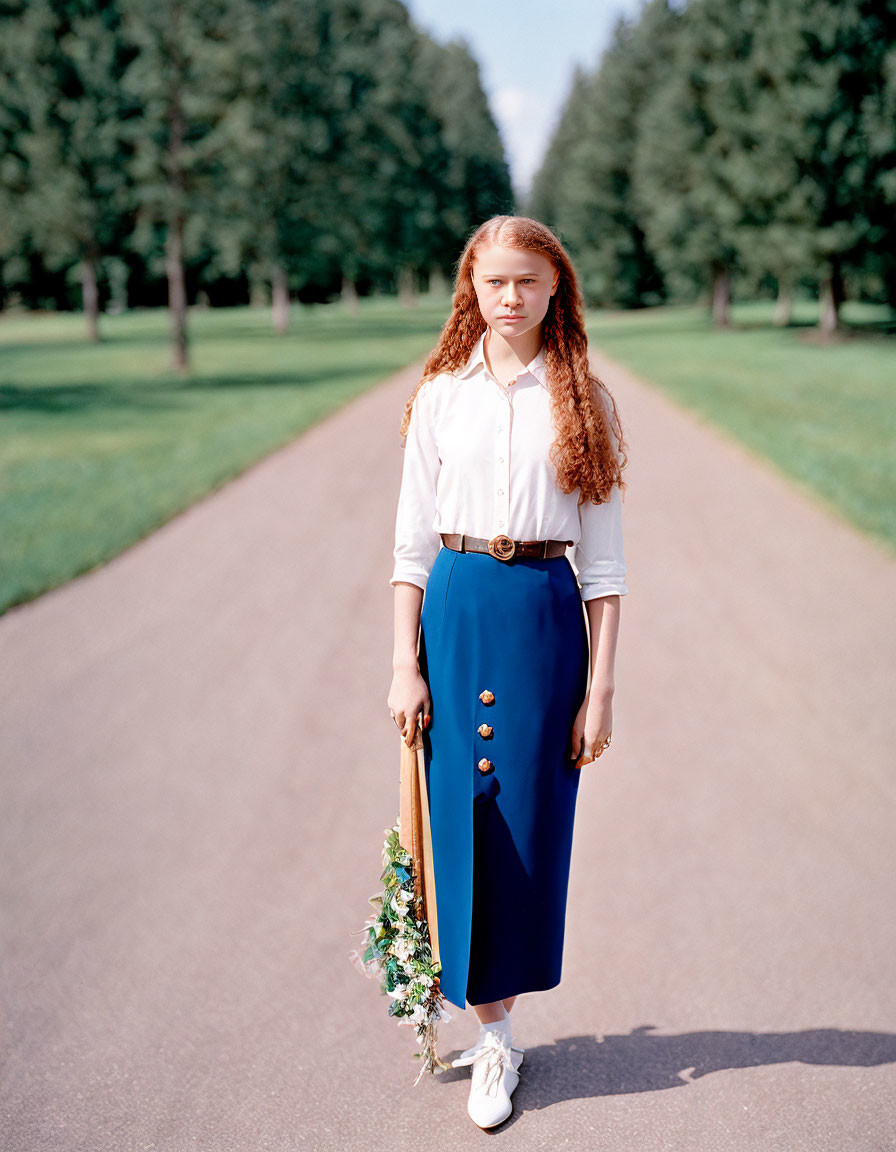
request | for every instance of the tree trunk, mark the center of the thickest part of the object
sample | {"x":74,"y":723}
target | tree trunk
{"x":831,"y":297}
{"x":407,"y":287}
{"x":783,"y":305}
{"x":177,"y":293}
{"x":350,"y":295}
{"x":721,"y":296}
{"x":174,"y":241}
{"x":438,"y":285}
{"x":280,"y":299}
{"x":90,"y":296}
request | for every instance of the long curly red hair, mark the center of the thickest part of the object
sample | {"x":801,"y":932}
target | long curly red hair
{"x":589,"y":450}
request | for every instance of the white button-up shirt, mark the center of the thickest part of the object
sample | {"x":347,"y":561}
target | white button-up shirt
{"x":477,"y":461}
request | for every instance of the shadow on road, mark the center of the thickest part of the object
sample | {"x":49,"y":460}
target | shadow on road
{"x":580,"y":1066}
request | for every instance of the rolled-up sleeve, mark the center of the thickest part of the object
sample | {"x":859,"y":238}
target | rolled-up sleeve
{"x":599,"y":556}
{"x":417,"y":542}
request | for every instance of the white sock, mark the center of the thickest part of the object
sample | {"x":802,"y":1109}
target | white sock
{"x":502,"y":1027}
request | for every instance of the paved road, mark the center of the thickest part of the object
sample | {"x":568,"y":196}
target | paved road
{"x":197,"y":766}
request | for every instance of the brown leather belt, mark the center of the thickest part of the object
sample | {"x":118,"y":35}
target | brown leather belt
{"x":503,"y":548}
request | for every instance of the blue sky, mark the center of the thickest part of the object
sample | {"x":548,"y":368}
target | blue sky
{"x":526,"y":52}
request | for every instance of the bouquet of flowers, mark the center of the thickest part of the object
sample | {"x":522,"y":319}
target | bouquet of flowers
{"x":398,"y":951}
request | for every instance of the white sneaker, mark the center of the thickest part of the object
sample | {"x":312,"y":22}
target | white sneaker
{"x":494,"y":1078}
{"x":468,"y":1056}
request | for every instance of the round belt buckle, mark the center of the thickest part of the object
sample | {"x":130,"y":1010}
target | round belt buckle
{"x":501,"y":547}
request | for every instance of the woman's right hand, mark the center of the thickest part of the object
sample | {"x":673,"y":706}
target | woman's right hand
{"x":408,"y":701}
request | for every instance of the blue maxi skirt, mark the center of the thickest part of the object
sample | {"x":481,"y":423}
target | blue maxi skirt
{"x":501,"y":837}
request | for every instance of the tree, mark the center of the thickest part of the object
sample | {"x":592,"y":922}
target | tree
{"x":591,"y":178}
{"x":305,"y":142}
{"x":13,"y":132}
{"x":550,"y":195}
{"x":807,"y":146}
{"x":387,"y":157}
{"x":688,"y":140}
{"x":475,"y":182}
{"x":828,"y":72}
{"x":276,"y":196}
{"x":63,"y":61}
{"x":185,"y":73}
{"x":878,"y":128}
{"x":358,"y":147}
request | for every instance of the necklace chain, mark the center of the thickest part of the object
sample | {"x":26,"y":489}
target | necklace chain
{"x":510,"y":383}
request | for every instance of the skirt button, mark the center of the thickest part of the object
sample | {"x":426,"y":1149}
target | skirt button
{"x":484,"y":766}
{"x":487,"y":697}
{"x":485,"y":731}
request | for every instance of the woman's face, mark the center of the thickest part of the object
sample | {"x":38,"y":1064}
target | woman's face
{"x":514,"y":287}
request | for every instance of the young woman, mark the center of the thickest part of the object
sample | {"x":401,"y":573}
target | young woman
{"x":514,"y":452}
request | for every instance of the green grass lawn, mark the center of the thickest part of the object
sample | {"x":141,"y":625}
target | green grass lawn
{"x":100,"y":444}
{"x":823,"y":414}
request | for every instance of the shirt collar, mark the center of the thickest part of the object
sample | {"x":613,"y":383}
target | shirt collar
{"x":476,"y":362}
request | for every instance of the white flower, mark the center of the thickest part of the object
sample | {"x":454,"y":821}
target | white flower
{"x":400,"y":902}
{"x":401,"y":949}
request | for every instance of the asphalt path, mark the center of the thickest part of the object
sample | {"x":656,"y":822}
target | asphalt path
{"x":198,"y":767}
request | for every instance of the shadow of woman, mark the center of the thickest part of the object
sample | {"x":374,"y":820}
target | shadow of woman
{"x":580,"y":1066}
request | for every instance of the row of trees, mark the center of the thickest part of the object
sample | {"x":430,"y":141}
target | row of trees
{"x":748,"y":138}
{"x":313,"y":145}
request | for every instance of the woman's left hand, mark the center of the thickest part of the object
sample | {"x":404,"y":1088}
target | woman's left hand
{"x":593,"y":726}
